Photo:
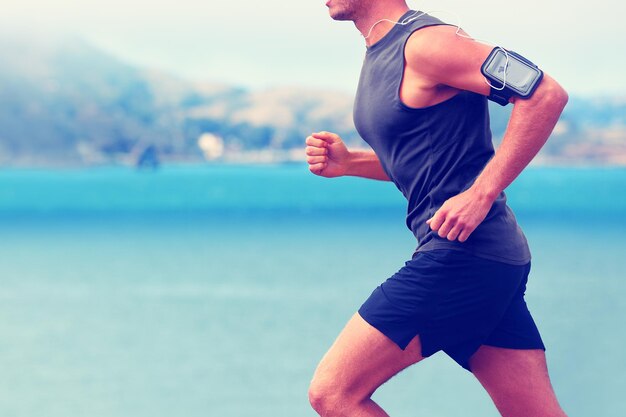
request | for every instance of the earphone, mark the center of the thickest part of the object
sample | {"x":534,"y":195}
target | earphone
{"x":417,"y":14}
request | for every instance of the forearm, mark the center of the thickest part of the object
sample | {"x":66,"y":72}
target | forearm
{"x":365,"y":164}
{"x":531,"y":123}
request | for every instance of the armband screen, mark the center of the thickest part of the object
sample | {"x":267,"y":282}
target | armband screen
{"x":517,"y":77}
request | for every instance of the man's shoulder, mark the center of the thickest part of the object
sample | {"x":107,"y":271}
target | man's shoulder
{"x":445,"y":55}
{"x":428,"y":41}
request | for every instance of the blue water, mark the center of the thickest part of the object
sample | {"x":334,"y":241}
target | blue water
{"x":215,"y":290}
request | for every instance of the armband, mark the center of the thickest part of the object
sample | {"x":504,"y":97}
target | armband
{"x":518,"y":77}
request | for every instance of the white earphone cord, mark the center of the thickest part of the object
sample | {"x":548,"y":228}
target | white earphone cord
{"x":416,"y":15}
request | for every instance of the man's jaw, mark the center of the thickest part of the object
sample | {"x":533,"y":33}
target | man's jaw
{"x":336,"y":10}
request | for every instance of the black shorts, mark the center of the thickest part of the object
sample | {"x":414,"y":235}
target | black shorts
{"x":456,"y":302}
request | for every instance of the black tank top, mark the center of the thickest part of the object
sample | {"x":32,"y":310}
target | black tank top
{"x":432,"y":153}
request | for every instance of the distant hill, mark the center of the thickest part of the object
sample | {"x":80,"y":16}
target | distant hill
{"x":64,"y":102}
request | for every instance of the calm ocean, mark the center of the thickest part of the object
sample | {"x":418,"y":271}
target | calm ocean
{"x":215,"y":290}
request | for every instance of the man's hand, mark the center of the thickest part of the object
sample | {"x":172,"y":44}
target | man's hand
{"x":460,"y":215}
{"x":327,"y":155}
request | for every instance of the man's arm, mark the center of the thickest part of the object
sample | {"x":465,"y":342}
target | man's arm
{"x":329,"y":157}
{"x":441,"y":58}
{"x":529,"y":127}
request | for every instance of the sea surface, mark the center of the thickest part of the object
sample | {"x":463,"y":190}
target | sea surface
{"x":215,"y":290}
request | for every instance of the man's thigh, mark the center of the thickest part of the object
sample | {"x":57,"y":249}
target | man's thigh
{"x":361,"y":359}
{"x":517,"y":381}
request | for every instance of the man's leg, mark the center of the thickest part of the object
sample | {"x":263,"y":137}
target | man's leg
{"x":517,"y":381}
{"x":360,"y":360}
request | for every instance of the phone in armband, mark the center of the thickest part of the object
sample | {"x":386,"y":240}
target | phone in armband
{"x":517,"y":77}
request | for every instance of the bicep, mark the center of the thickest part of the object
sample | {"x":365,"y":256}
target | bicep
{"x":442,"y":57}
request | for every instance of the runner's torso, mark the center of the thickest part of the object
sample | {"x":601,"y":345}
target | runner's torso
{"x":432,"y":153}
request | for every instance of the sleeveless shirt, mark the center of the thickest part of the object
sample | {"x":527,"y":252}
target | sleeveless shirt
{"x":432,"y":153}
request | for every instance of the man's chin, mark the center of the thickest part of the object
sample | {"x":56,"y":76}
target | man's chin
{"x":339,"y":16}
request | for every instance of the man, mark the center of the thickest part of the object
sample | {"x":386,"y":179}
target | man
{"x":421,"y":104}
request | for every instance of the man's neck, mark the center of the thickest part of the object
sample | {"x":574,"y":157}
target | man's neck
{"x":367,"y":24}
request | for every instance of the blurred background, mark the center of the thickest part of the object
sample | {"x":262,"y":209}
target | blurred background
{"x":165,"y":250}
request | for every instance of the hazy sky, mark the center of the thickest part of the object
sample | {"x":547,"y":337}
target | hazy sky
{"x":260,"y":43}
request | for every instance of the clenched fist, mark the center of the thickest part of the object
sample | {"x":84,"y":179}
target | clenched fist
{"x":460,"y":215}
{"x":327,"y":155}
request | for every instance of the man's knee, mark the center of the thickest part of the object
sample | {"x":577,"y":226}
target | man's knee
{"x":325,"y":399}
{"x":320,"y":398}
{"x":329,"y":399}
